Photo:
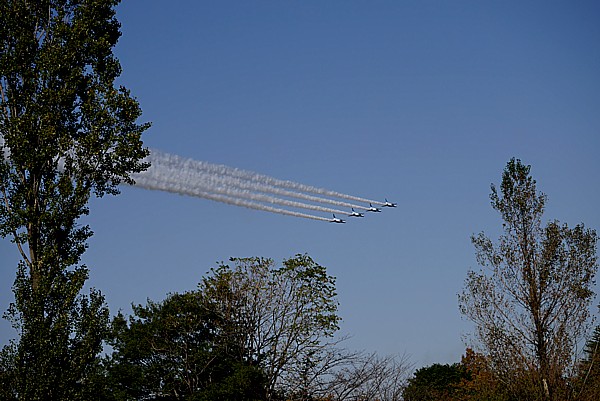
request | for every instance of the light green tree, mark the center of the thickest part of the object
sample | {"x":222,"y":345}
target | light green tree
{"x":530,"y":305}
{"x":66,"y":133}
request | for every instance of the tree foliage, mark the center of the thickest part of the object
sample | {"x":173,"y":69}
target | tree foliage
{"x":174,"y":350}
{"x":531,"y":305}
{"x":280,"y":317}
{"x":250,"y":331}
{"x":435,"y":382}
{"x":481,"y":382}
{"x":66,"y":133}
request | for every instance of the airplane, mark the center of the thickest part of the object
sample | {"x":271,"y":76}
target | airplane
{"x":355,"y":214}
{"x":336,"y":220}
{"x":389,"y":204}
{"x":372,"y":209}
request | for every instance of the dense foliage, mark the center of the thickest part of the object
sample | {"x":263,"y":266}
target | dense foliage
{"x":587,"y":383}
{"x":244,"y":334}
{"x":178,"y":349}
{"x":66,"y":133}
{"x":435,"y":382}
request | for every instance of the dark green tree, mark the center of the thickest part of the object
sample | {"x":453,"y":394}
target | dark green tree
{"x":66,"y":133}
{"x":175,"y":350}
{"x":435,"y":382}
{"x":531,"y":306}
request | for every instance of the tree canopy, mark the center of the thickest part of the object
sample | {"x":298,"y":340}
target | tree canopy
{"x":252,"y":321}
{"x":66,"y":132}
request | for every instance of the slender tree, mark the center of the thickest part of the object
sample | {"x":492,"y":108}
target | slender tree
{"x":531,"y":304}
{"x":66,"y":133}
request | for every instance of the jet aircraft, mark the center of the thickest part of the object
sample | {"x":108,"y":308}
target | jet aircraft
{"x":371,"y":208}
{"x":336,"y":220}
{"x":355,"y":214}
{"x":389,"y":204}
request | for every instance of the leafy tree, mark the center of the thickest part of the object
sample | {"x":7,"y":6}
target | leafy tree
{"x":480,"y":383}
{"x":531,"y":306}
{"x":174,"y":350}
{"x":281,"y":318}
{"x":66,"y":133}
{"x":435,"y":382}
{"x":251,"y":331}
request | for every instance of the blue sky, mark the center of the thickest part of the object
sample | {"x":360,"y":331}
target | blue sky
{"x":422,"y":102}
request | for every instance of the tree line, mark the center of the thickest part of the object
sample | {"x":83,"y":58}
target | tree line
{"x":252,"y":330}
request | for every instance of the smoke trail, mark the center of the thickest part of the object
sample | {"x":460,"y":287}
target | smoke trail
{"x":211,"y":184}
{"x":169,"y":181}
{"x":253,"y":181}
{"x":257,"y":187}
{"x":231,"y":183}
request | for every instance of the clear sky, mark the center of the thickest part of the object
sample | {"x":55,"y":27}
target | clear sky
{"x":421,"y":102}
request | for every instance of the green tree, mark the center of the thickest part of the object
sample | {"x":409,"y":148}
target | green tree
{"x":282,"y":318}
{"x":435,"y":382}
{"x":251,"y":331}
{"x":174,"y":350}
{"x":66,"y":133}
{"x":531,"y":306}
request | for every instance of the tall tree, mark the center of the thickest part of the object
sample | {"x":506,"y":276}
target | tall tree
{"x":66,"y":132}
{"x":531,"y":304}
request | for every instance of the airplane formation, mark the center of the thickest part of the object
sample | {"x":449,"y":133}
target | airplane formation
{"x":371,"y":208}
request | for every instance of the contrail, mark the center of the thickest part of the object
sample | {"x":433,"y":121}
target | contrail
{"x":211,"y":184}
{"x":231,"y":183}
{"x":171,"y":183}
{"x":254,"y":181}
{"x":172,"y":173}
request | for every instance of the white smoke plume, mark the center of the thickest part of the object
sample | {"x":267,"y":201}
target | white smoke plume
{"x":233,"y":186}
{"x":172,"y":183}
{"x":222,"y":170}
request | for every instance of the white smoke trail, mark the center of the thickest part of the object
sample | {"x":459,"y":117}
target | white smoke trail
{"x":169,"y":181}
{"x":233,"y":186}
{"x":257,"y":187}
{"x":247,"y":187}
{"x":243,"y":179}
{"x":210,"y":184}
